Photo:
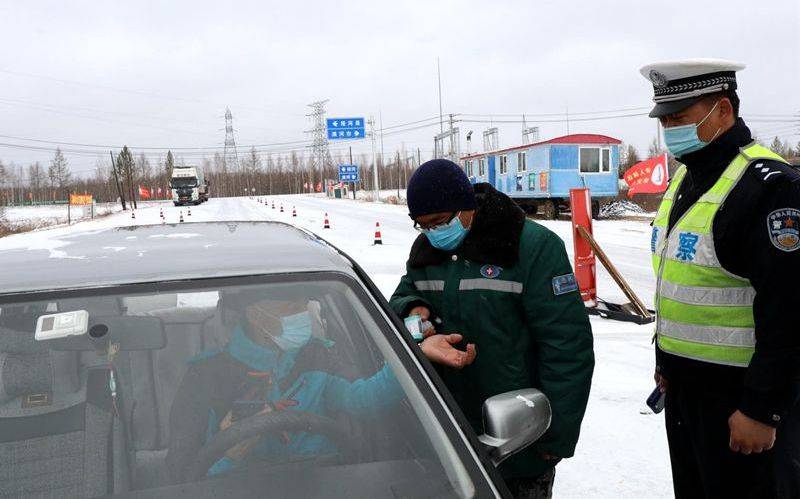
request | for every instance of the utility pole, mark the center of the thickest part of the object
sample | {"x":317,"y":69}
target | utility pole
{"x":319,"y":138}
{"x":658,"y":135}
{"x":439,"y":77}
{"x":116,"y":181}
{"x":398,"y":175}
{"x":229,"y":158}
{"x":375,"y":185}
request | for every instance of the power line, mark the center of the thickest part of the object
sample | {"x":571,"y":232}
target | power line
{"x":598,"y":118}
{"x":621,"y":110}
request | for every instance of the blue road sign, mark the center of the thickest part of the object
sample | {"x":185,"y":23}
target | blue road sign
{"x":345,"y":128}
{"x":349,"y":173}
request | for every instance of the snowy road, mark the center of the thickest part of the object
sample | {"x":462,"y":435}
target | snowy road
{"x":622,"y":451}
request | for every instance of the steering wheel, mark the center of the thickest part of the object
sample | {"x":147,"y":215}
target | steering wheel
{"x":266,"y":423}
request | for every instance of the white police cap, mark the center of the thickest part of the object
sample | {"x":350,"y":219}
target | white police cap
{"x":679,"y":84}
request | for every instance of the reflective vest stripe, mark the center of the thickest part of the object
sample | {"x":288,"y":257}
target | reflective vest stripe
{"x":703,"y":295}
{"x":491,"y":285}
{"x":429,"y":285}
{"x":715,"y":354}
{"x":729,"y":336}
{"x":723,"y":316}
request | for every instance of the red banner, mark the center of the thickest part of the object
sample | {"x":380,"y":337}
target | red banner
{"x":648,"y":177}
{"x":144,"y":192}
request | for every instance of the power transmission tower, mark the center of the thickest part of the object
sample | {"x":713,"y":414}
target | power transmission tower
{"x":229,"y":157}
{"x":319,"y":139}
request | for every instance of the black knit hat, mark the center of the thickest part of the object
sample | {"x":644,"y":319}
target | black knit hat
{"x":439,"y":186}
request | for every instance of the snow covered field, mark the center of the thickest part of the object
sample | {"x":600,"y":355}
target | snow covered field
{"x":40,"y":216}
{"x":622,"y":451}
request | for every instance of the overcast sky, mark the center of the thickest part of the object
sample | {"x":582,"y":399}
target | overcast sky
{"x":160,"y":74}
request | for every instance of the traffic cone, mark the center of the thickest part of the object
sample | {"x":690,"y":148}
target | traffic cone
{"x":327,"y":223}
{"x":273,"y":205}
{"x":281,"y":208}
{"x":133,"y":214}
{"x":294,"y":212}
{"x":161,"y":212}
{"x":189,"y":214}
{"x":378,"y":239}
{"x":181,"y":217}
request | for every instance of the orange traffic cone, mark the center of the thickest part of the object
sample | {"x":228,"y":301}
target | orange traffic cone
{"x":294,"y":212}
{"x":327,"y":224}
{"x":378,"y":239}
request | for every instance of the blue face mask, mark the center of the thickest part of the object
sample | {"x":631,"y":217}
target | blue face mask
{"x":683,"y":139}
{"x":296,"y":332}
{"x":448,"y":236}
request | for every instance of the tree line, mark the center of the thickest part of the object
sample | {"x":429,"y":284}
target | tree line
{"x":119,"y":177}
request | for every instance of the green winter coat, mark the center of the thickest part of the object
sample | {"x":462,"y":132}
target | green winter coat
{"x":501,"y":290}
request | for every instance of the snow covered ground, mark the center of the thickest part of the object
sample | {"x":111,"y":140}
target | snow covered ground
{"x":622,"y":451}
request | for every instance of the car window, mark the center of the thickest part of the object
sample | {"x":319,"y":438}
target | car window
{"x":285,"y":388}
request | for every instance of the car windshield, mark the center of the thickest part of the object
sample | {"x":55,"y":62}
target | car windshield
{"x":277,"y":388}
{"x":180,"y":182}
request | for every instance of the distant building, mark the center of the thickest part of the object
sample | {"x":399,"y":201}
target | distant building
{"x":540,"y":175}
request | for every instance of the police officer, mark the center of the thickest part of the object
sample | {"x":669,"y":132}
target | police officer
{"x":726,"y":252}
{"x":481,"y":269}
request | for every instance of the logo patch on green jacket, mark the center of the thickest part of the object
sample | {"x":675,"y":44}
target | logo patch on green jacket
{"x":490,"y":271}
{"x":563,"y":284}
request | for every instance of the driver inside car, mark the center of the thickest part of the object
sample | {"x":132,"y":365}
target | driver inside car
{"x":273,"y":362}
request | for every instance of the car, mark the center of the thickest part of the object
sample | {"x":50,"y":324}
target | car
{"x":127,"y":369}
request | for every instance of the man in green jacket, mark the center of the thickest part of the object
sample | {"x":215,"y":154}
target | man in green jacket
{"x":481,"y":269}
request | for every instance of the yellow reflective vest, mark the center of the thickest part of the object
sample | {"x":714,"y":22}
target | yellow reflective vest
{"x":703,"y":311}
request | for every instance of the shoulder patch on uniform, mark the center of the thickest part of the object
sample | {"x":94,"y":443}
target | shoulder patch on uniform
{"x":784,"y":229}
{"x":563,"y":284}
{"x":490,"y":271}
{"x":768,"y":171}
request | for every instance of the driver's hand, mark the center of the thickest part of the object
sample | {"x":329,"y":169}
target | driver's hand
{"x":440,"y":348}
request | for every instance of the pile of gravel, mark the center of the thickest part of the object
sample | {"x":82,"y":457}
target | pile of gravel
{"x":621,"y":208}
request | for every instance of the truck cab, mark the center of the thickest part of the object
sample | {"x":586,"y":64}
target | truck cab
{"x":188,"y":185}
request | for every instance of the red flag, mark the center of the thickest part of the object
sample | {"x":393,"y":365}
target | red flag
{"x":648,"y":177}
{"x":144,"y":192}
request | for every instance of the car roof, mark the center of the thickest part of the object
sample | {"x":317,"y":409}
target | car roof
{"x":50,"y":260}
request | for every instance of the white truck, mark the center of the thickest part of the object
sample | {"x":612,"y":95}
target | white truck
{"x":188,"y":185}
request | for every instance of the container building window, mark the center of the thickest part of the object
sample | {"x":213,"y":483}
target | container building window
{"x":522,"y":162}
{"x":481,"y":167}
{"x":503,"y":164}
{"x":595,"y":160}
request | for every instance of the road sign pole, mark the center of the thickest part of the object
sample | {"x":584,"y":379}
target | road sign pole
{"x":375,"y":185}
{"x":351,"y":162}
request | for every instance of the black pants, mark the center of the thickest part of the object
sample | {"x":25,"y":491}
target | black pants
{"x":703,"y":465}
{"x":540,"y":487}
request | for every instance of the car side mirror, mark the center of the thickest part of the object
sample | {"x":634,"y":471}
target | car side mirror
{"x":514,"y":420}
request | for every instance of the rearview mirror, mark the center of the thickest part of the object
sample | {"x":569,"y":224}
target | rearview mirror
{"x":513,"y":421}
